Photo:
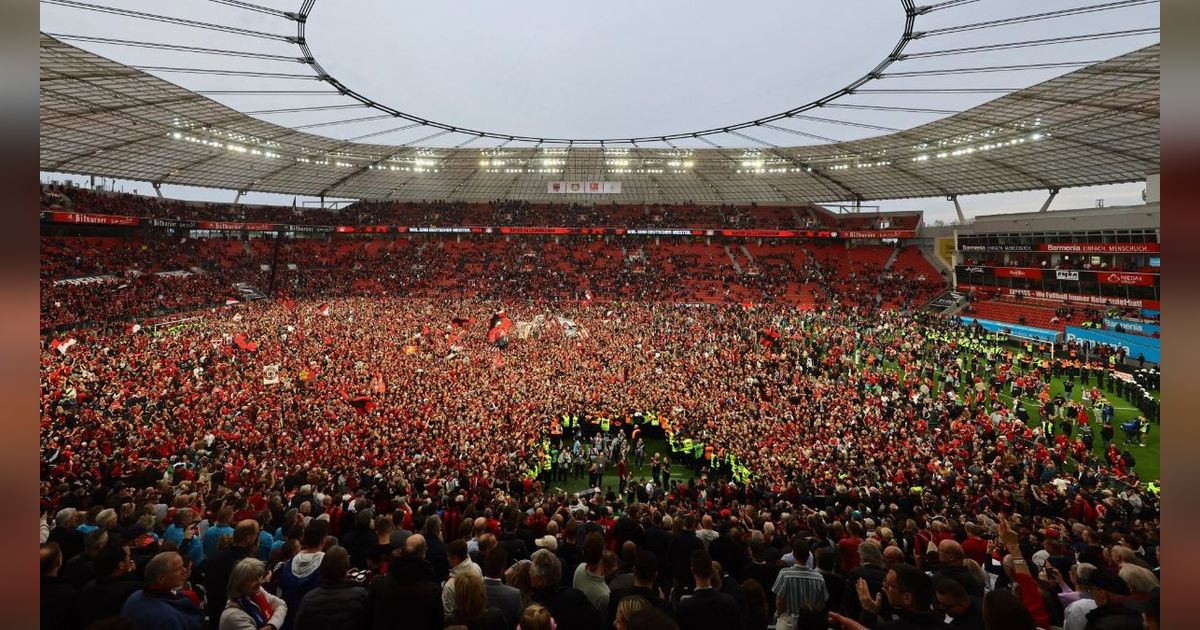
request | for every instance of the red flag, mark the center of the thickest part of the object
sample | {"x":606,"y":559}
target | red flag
{"x":323,"y":310}
{"x":768,"y":337}
{"x":229,"y":301}
{"x":240,"y":340}
{"x":62,"y":345}
{"x":362,"y":404}
{"x":500,"y":325}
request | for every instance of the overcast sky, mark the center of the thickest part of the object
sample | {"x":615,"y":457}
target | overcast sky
{"x":621,"y":68}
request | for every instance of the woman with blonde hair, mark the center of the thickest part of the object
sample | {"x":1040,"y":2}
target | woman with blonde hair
{"x":249,"y":606}
{"x":976,"y":571}
{"x":517,"y":576}
{"x":536,"y":617}
{"x":470,"y":605}
{"x":627,"y":608}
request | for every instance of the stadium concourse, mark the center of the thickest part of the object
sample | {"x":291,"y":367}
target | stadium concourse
{"x":392,"y":422}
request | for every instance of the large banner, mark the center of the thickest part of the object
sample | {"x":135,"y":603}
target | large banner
{"x":879,"y":234}
{"x":1133,"y":344}
{"x":236,"y":226}
{"x":1099,"y":248}
{"x":171,"y":223}
{"x":1141,"y":328}
{"x":364,"y":229}
{"x":314,"y":229}
{"x":584,"y":188}
{"x":1016,"y":330}
{"x":87,"y":280}
{"x":92,"y":219}
{"x":996,"y":248}
{"x":1057,"y":296}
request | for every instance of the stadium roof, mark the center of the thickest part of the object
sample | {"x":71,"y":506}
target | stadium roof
{"x":1096,"y":125}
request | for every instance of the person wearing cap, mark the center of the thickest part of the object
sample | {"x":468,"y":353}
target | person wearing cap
{"x":1112,"y":597}
{"x":547,"y":542}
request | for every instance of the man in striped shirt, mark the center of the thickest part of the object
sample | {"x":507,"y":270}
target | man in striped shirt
{"x":800,"y":591}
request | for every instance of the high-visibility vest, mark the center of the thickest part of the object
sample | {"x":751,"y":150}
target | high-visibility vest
{"x":605,"y":424}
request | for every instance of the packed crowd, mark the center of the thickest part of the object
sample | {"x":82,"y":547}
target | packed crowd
{"x":376,"y":461}
{"x":451,"y":213}
{"x":122,"y":281}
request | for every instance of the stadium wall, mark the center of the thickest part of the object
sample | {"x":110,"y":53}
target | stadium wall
{"x":1133,"y":344}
